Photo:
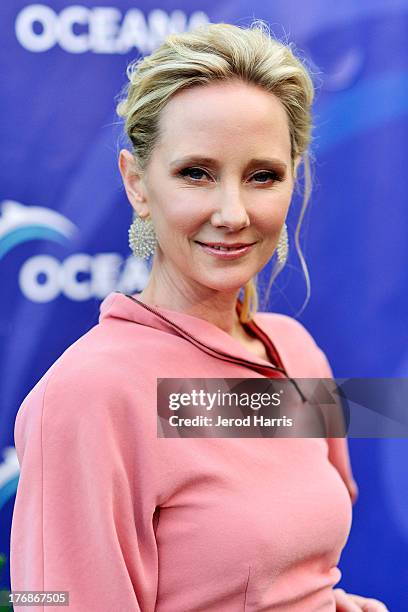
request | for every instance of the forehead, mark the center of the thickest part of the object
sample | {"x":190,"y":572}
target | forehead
{"x":223,"y":116}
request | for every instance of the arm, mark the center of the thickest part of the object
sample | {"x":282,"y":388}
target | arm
{"x":338,"y":447}
{"x":339,"y":456}
{"x":83,"y":514}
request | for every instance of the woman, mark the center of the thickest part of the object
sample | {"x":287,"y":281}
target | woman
{"x":219,"y":120}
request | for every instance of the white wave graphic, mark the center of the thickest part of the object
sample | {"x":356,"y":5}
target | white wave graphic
{"x":15,"y":215}
{"x":9,"y":468}
{"x":346,"y":70}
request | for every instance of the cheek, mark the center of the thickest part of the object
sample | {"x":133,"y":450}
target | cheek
{"x":271,"y":215}
{"x":181,"y":216}
{"x":176,"y":224}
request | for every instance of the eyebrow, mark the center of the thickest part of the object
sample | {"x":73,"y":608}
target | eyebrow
{"x":200,"y":159}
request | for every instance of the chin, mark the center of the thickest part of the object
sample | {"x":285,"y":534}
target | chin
{"x":225,"y":284}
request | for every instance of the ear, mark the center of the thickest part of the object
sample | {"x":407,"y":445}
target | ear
{"x":133,"y":182}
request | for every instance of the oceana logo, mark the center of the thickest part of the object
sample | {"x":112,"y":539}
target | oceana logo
{"x":79,"y":29}
{"x":80,"y":276}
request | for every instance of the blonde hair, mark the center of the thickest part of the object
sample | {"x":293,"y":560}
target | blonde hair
{"x":221,"y":51}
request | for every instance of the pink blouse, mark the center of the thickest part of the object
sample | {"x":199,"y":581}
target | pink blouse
{"x":127,"y":521}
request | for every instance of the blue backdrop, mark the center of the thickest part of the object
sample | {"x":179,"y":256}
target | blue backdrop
{"x":64,"y":214}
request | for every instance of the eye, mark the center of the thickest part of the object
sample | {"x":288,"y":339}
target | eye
{"x":274,"y":176}
{"x":192,"y":173}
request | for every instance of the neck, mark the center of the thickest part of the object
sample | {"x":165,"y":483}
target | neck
{"x":216,"y":307}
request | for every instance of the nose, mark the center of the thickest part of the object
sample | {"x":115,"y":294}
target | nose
{"x":231,"y":211}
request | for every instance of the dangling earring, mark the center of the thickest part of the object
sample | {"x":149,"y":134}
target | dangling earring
{"x":283,"y":245}
{"x":142,"y":237}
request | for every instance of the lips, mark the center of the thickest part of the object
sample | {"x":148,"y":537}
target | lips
{"x":222,"y":246}
{"x":222,"y":252}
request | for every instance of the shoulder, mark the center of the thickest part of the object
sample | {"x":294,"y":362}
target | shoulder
{"x":93,"y":363}
{"x":298,"y":349}
{"x":281,"y":323}
{"x":95,"y":383}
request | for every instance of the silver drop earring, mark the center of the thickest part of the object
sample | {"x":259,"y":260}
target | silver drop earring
{"x":283,"y":245}
{"x":142,"y":237}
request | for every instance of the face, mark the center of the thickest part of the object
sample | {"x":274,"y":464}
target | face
{"x":220,"y":173}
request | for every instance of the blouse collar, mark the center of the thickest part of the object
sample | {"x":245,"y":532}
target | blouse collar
{"x":202,"y":333}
